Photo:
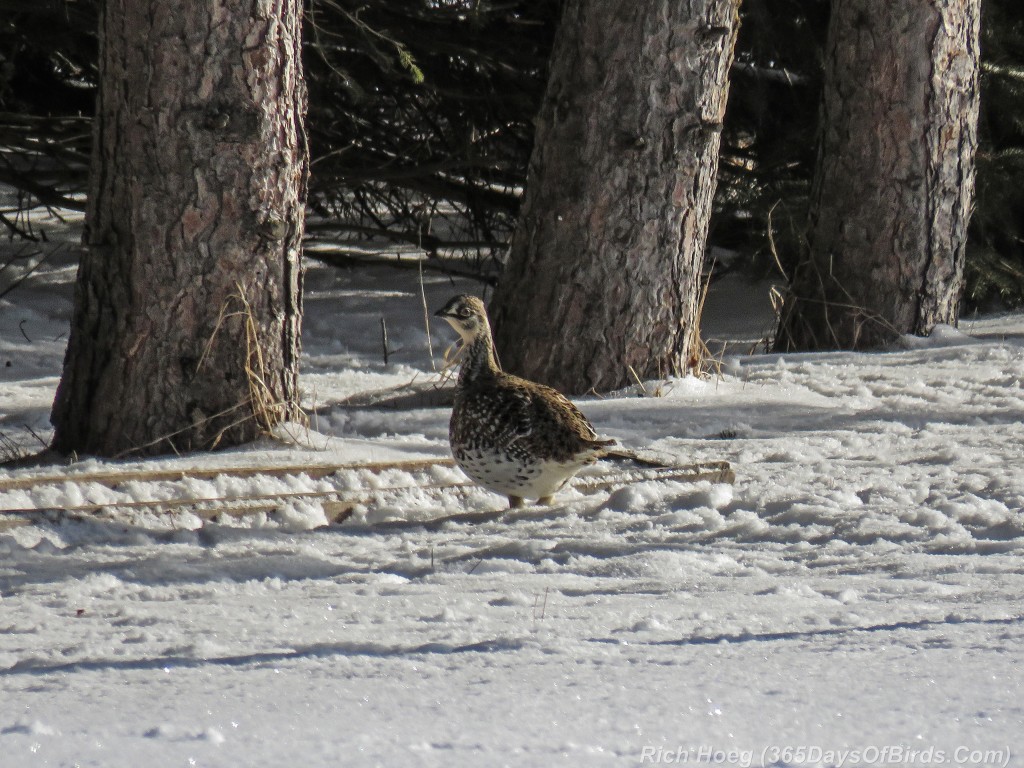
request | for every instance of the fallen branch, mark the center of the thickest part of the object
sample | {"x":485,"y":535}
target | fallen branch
{"x":338,"y":504}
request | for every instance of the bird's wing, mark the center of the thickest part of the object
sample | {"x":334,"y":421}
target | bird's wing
{"x":516,"y":418}
{"x":561,"y":410}
{"x":562,"y":416}
{"x":536,"y":415}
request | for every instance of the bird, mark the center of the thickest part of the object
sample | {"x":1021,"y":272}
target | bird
{"x":513,"y":436}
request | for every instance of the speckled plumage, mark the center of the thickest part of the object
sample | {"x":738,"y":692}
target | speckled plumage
{"x":512,"y":436}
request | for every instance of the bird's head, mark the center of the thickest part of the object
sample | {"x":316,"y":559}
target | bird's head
{"x":467,"y":315}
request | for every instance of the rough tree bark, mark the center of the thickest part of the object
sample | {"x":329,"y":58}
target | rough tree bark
{"x":604,"y":272}
{"x":894,"y":183}
{"x":185,"y":333}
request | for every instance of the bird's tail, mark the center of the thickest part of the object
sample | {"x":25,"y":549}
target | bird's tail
{"x":625,"y":454}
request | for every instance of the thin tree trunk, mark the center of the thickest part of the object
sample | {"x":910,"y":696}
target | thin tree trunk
{"x":892,"y":194}
{"x":185,"y":333}
{"x":604,"y":274}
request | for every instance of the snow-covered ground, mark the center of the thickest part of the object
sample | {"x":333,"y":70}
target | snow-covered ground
{"x":855,"y":598}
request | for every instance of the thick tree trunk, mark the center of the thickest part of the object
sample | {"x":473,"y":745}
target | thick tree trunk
{"x":603,"y":277}
{"x":894,"y":182}
{"x":185,"y":333}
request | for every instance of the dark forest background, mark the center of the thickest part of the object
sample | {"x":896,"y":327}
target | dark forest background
{"x":420,"y":127}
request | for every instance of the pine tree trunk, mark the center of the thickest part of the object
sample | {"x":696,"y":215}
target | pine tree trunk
{"x":185,"y":334}
{"x":604,"y":274}
{"x":894,"y":183}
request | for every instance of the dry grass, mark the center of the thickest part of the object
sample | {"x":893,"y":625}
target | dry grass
{"x":14,"y":451}
{"x":827,"y":286}
{"x":701,"y":361}
{"x":261,"y":406}
{"x":11,"y":450}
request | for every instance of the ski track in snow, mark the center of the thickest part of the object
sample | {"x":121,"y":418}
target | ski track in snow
{"x":859,"y":586}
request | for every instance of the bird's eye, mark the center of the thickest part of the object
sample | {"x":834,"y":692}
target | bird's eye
{"x":464,"y":312}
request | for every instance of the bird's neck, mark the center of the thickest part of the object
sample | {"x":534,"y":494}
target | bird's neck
{"x":479,"y":360}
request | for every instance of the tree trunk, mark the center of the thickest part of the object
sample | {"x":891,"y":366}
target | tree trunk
{"x":185,"y":333}
{"x":894,"y":182}
{"x":604,"y":274}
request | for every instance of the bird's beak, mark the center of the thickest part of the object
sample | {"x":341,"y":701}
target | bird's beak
{"x":441,"y":313}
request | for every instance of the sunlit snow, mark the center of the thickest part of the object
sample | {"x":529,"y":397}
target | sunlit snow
{"x":855,"y":598}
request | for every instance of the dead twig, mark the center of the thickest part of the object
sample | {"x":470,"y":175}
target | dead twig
{"x":426,"y":318}
{"x":636,"y":378}
{"x":384,"y":338}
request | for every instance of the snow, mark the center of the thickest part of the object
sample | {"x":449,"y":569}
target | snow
{"x":855,"y":598}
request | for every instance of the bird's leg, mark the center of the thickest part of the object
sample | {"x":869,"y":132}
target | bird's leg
{"x":545,"y":500}
{"x":515,"y":502}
